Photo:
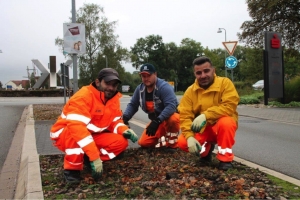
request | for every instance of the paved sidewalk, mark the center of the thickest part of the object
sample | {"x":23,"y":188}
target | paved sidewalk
{"x":37,"y":142}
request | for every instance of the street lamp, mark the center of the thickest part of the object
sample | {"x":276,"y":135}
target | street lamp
{"x":200,"y":54}
{"x":220,"y":31}
{"x":106,"y":60}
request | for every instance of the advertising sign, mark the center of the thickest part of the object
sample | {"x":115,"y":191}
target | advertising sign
{"x":74,"y":38}
{"x":274,"y":65}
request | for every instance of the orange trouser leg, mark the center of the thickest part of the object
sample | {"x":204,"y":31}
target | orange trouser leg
{"x":166,"y":134}
{"x":222,"y":133}
{"x":110,"y":145}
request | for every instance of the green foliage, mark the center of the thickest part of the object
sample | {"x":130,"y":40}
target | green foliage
{"x":1,"y":85}
{"x":292,"y":89}
{"x":254,"y":98}
{"x":272,"y":15}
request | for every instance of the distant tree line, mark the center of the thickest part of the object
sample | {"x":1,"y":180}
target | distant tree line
{"x":174,"y":62}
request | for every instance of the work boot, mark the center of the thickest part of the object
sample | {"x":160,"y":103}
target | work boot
{"x":207,"y":159}
{"x":72,"y":176}
{"x":225,"y":165}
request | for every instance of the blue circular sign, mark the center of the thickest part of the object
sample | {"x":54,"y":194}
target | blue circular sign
{"x":231,"y":62}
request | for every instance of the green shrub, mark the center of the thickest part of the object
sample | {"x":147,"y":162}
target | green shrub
{"x":291,"y":90}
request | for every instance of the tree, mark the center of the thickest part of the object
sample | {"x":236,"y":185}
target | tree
{"x":100,"y":41}
{"x":281,"y":16}
{"x":1,"y":85}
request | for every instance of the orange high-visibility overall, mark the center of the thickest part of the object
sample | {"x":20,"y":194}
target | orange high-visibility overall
{"x":89,"y":126}
{"x":166,"y":134}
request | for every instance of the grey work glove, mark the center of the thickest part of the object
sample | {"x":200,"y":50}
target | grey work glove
{"x":194,"y":146}
{"x":130,"y":134}
{"x":97,"y":168}
{"x":198,"y":124}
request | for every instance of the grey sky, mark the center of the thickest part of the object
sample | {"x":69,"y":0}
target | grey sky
{"x":29,"y":27}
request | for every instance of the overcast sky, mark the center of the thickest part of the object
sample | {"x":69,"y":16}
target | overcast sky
{"x":29,"y":27}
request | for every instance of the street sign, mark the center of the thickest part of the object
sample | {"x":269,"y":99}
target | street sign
{"x":230,"y":46}
{"x":231,"y":62}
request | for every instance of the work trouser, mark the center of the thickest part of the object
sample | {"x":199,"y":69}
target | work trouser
{"x":221,"y":133}
{"x":109,"y":144}
{"x":166,"y":134}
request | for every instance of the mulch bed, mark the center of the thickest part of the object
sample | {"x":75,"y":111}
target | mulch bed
{"x":158,"y":174}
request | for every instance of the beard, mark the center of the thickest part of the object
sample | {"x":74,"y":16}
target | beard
{"x":108,"y":94}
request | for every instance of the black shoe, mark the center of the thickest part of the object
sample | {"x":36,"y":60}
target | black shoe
{"x":208,"y":158}
{"x":225,"y":165}
{"x":72,"y":176}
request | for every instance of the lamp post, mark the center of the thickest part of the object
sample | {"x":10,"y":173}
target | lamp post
{"x":200,"y":54}
{"x":220,"y":31}
{"x":106,"y":60}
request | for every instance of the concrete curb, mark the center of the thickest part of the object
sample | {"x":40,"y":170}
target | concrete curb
{"x":266,"y":170}
{"x":29,"y":181}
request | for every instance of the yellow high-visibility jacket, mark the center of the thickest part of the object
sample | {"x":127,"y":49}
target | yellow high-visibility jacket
{"x":220,"y":99}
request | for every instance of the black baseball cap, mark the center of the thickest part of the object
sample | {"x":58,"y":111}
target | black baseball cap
{"x":147,"y":69}
{"x":108,"y":74}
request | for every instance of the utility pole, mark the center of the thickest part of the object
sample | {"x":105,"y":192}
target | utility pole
{"x":75,"y":78}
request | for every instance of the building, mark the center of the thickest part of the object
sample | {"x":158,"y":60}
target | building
{"x":17,"y":85}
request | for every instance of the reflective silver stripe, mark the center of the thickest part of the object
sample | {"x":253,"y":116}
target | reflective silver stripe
{"x":80,"y":118}
{"x":94,"y":128}
{"x":161,"y":142}
{"x":85,"y":141}
{"x":56,"y":134}
{"x":110,"y":155}
{"x":75,"y":163}
{"x":223,"y":151}
{"x":63,"y":115}
{"x":76,"y":151}
{"x":116,"y":118}
{"x":116,"y":127}
{"x":203,"y":148}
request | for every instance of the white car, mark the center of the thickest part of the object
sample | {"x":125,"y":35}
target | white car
{"x":259,"y":85}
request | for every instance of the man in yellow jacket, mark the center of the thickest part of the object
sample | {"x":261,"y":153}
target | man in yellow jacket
{"x":91,"y":125}
{"x":208,"y":115}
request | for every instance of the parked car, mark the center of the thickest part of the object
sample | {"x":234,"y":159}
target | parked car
{"x":259,"y":85}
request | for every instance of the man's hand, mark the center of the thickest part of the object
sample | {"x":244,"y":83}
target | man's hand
{"x":193,"y":145}
{"x":125,"y":120}
{"x":130,"y":134}
{"x":97,"y":168}
{"x":153,"y":126}
{"x":198,"y":124}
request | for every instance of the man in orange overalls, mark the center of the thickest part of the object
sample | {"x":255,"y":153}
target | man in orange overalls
{"x":91,"y":124}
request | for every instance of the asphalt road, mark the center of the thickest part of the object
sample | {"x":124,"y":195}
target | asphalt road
{"x":9,"y":119}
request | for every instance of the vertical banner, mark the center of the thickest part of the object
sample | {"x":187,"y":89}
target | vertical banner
{"x":274,"y":68}
{"x":74,"y":38}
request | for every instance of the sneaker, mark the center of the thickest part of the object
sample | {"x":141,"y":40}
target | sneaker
{"x":225,"y":165}
{"x":208,"y":158}
{"x":72,"y":176}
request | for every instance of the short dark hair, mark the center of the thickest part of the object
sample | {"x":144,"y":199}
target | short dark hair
{"x":201,"y":60}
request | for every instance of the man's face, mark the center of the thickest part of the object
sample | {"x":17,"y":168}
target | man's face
{"x":109,"y":88}
{"x":148,"y":79}
{"x":204,"y":74}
